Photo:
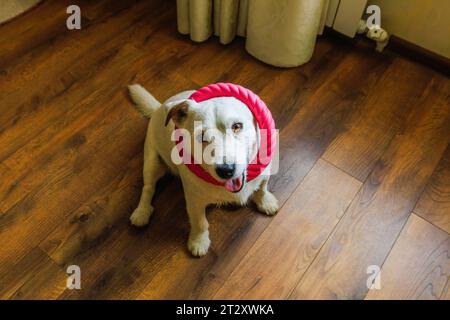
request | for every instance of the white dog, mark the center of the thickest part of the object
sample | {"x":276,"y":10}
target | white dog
{"x":234,"y":122}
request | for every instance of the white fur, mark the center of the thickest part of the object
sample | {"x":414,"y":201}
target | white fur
{"x":380,"y":36}
{"x":219,"y":113}
{"x":144,"y":101}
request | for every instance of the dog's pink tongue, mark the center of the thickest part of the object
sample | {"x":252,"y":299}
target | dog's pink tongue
{"x":234,"y":185}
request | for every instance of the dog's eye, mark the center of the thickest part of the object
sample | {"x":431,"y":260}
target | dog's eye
{"x":201,"y":137}
{"x":236,"y":127}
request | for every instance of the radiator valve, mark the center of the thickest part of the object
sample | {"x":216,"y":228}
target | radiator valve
{"x":376,"y":33}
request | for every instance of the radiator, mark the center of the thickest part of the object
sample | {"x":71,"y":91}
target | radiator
{"x":344,"y":15}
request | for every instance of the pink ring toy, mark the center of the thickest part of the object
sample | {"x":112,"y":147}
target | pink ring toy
{"x":260,"y":112}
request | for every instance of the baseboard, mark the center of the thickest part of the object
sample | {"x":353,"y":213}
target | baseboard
{"x":401,"y":47}
{"x":419,"y":54}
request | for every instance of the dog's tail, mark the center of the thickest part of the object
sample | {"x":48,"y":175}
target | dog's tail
{"x":145,"y":103}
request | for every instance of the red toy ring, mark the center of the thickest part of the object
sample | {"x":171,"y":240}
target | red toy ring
{"x":263,"y":118}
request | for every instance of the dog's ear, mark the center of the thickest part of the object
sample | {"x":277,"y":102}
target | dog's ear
{"x":178,"y":113}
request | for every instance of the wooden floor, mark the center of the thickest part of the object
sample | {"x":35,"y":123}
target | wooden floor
{"x":364,"y":179}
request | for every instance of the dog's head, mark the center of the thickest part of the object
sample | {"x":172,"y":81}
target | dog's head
{"x":377,"y":34}
{"x":223,"y":136}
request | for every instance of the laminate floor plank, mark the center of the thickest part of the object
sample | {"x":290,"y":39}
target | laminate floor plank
{"x":418,"y":267}
{"x":434,"y":203}
{"x":369,"y":228}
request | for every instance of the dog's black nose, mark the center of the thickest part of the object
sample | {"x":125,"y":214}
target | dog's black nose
{"x":225,"y":171}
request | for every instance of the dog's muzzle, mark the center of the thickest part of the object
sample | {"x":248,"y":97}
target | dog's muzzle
{"x":226,"y":171}
{"x":236,"y":184}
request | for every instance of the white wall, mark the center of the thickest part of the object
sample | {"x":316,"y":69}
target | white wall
{"x":425,"y":23}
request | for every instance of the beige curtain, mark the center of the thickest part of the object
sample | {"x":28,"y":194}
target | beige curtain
{"x":12,"y":8}
{"x":279,"y":32}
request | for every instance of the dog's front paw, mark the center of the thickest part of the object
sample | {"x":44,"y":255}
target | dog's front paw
{"x":267,"y":203}
{"x":141,"y":216}
{"x":199,"y":245}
